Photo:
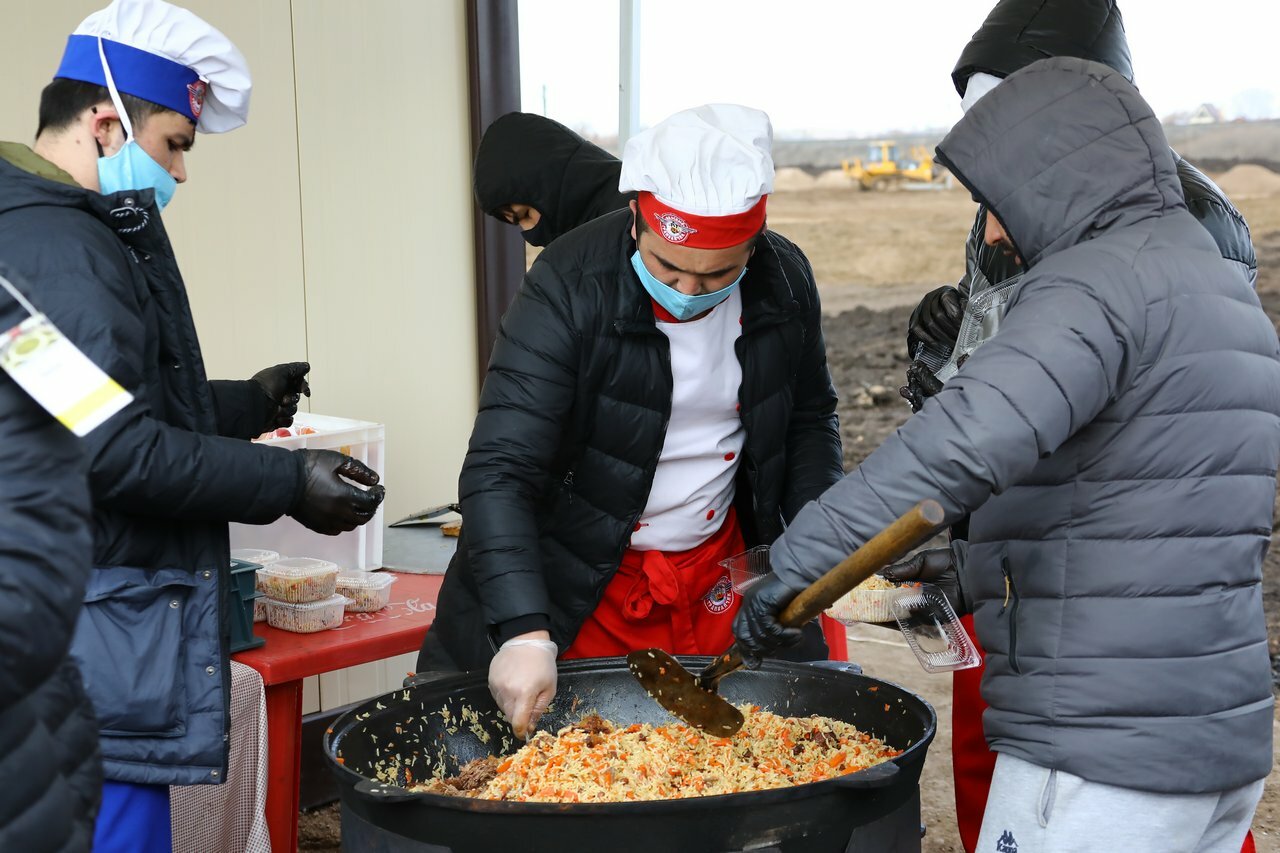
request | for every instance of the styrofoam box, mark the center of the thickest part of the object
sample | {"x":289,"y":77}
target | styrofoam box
{"x":357,"y":549}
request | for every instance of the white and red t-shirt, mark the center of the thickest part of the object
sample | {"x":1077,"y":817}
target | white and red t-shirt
{"x":693,"y":486}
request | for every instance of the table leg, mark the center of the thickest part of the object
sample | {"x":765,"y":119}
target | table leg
{"x":284,"y":756}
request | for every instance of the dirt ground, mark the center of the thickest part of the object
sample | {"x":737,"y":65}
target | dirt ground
{"x":875,"y":255}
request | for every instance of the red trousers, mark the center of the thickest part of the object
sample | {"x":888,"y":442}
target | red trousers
{"x":681,"y":601}
{"x":973,"y":762}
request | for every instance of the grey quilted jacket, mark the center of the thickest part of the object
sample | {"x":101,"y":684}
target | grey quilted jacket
{"x":1117,"y":444}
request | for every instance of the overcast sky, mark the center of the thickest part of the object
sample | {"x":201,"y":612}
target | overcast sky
{"x":837,"y":68}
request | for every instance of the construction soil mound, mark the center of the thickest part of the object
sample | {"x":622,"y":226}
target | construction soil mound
{"x":1248,"y":180}
{"x":790,"y":179}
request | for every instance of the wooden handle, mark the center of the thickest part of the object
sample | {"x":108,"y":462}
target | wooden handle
{"x":910,"y":531}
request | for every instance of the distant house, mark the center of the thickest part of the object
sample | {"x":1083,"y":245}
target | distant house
{"x":1205,"y":114}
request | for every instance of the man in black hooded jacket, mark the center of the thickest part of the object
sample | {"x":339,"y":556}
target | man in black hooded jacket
{"x":1015,"y":34}
{"x":538,"y":174}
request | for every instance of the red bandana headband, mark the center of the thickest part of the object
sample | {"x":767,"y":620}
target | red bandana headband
{"x":701,"y":232}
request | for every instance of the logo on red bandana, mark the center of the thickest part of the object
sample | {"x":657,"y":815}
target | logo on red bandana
{"x":195,"y":96}
{"x":673,"y":228}
{"x":721,"y":596}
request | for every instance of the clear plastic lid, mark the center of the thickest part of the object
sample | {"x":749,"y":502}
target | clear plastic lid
{"x":299,"y":567}
{"x":365,"y":580}
{"x":747,"y":568}
{"x":932,"y":630}
{"x":255,"y":555}
{"x":331,"y":601}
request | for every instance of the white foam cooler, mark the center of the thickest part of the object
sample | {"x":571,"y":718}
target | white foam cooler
{"x":358,"y":549}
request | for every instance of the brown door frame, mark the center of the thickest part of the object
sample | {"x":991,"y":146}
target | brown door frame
{"x":493,"y":60}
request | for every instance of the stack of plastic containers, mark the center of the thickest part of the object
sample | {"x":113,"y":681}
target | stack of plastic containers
{"x":301,"y":595}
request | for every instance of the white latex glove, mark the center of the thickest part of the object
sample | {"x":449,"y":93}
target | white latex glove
{"x":522,"y":679}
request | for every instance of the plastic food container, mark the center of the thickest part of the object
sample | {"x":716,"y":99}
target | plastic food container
{"x":932,"y":630}
{"x":306,"y":618}
{"x":870,"y":601}
{"x":368,"y":591}
{"x":747,"y":568}
{"x":260,"y":609}
{"x":298,"y":580}
{"x":255,"y":555}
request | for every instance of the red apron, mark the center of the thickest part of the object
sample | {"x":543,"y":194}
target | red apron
{"x":972,"y":761}
{"x":681,"y":602}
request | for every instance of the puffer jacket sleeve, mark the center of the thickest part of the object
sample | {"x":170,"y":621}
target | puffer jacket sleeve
{"x":1056,"y":363}
{"x":139,"y":463}
{"x":45,"y":537}
{"x":527,"y":395}
{"x":814,"y":457}
{"x":243,"y":409}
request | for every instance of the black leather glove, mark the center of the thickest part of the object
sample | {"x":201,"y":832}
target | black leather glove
{"x":284,"y":385}
{"x":936,"y":320}
{"x":936,"y":566}
{"x":756,"y":626}
{"x":921,"y":385}
{"x":329,"y":504}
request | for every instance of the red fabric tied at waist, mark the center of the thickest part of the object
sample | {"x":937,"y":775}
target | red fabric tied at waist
{"x":679,"y":601}
{"x":656,"y":583}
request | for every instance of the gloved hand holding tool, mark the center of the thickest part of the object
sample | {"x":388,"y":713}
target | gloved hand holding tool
{"x":329,"y":504}
{"x":766,"y":623}
{"x":284,"y":385}
{"x":522,"y":679}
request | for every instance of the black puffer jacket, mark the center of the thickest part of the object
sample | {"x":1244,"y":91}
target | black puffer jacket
{"x":1017,"y":33}
{"x":50,"y":769}
{"x":527,"y":159}
{"x":164,"y":482}
{"x":572,"y":420}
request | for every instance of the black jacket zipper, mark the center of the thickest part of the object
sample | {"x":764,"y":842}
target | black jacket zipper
{"x":1010,"y":611}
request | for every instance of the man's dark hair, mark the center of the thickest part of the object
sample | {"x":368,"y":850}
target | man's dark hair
{"x":643,"y":226}
{"x":62,"y":102}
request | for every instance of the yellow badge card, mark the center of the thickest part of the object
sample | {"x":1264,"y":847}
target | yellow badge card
{"x":59,"y":376}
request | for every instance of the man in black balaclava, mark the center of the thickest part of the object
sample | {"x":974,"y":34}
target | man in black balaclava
{"x":1015,"y":34}
{"x":538,"y":174}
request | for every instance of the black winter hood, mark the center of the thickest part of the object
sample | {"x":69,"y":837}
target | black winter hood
{"x":527,"y":159}
{"x":1019,"y":32}
{"x":1061,"y":152}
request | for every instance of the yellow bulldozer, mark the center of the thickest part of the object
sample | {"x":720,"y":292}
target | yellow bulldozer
{"x":885,"y":167}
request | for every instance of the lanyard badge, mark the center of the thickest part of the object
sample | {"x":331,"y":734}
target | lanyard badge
{"x":56,"y":374}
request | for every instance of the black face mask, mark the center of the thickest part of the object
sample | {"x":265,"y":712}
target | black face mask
{"x":540,"y":234}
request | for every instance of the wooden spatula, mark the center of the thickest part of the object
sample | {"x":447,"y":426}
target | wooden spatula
{"x":693,"y":698}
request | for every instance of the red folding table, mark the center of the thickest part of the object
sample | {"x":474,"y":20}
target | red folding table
{"x":288,"y":658}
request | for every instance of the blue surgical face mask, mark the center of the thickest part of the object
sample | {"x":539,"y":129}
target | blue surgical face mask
{"x":132,"y":168}
{"x":679,"y":305}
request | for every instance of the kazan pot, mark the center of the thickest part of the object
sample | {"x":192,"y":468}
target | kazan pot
{"x":383,"y":744}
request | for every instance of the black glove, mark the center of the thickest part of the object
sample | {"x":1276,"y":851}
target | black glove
{"x":921,"y":384}
{"x":936,"y":566}
{"x":756,"y":626}
{"x":284,"y":385}
{"x":329,"y":504}
{"x":936,"y":320}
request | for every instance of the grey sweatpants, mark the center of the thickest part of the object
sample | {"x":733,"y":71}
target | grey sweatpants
{"x":1035,"y":810}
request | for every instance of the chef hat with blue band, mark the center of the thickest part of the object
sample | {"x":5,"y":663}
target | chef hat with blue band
{"x":166,"y":55}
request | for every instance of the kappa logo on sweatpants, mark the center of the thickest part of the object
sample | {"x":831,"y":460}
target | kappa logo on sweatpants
{"x":1006,"y":844}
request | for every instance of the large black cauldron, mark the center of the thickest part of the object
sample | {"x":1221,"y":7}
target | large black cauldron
{"x":821,"y":816}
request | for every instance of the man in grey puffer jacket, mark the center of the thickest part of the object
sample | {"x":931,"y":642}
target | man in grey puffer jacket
{"x":1116,"y":443}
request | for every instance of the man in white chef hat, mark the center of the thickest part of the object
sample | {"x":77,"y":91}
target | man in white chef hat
{"x":658,"y":400}
{"x":79,"y":221}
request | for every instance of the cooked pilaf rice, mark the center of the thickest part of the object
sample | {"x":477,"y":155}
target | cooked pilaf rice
{"x":595,"y":761}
